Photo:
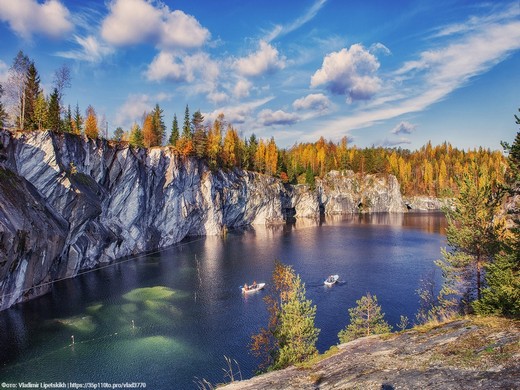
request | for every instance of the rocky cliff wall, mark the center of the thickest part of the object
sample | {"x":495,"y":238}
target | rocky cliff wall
{"x":69,"y":204}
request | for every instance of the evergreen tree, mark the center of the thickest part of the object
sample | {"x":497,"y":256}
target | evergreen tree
{"x":174,"y":136}
{"x":290,"y":335}
{"x":136,"y":136}
{"x":78,"y":121}
{"x":365,"y":319}
{"x":159,"y":128}
{"x":67,"y":121}
{"x":186,"y":128}
{"x":91,"y":123}
{"x":471,"y":237}
{"x":53,"y":115}
{"x":214,"y":142}
{"x":3,"y":113}
{"x":251,"y":147}
{"x":31,"y":92}
{"x":41,"y":111}
{"x":199,"y":134}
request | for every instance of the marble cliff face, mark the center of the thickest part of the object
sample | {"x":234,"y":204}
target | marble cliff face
{"x":68,"y":204}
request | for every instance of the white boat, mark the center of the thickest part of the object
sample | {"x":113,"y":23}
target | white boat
{"x":253,"y":288}
{"x":331,"y":280}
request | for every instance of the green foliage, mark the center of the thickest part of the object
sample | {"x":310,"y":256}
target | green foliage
{"x":186,"y":127}
{"x":365,"y":319}
{"x":158,"y":126}
{"x":31,"y":92}
{"x":502,"y":294}
{"x":118,"y":134}
{"x":136,"y":136}
{"x":290,"y":336}
{"x":174,"y":136}
{"x":53,"y":115}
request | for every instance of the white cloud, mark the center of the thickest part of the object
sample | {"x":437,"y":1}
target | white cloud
{"x":279,"y":117}
{"x":265,"y":60}
{"x":28,"y":17}
{"x":242,"y":88}
{"x":386,"y":143}
{"x":314,"y":101}
{"x":136,"y":21}
{"x":379,"y":48}
{"x":280,"y":30}
{"x":217,"y":97}
{"x":183,"y":68}
{"x":237,"y":114}
{"x":135,"y":106}
{"x":404,"y":128}
{"x":350,"y":72}
{"x":92,"y":50}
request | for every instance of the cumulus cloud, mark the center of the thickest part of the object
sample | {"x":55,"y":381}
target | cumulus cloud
{"x":92,"y":50}
{"x":182,"y":68}
{"x":135,"y":106}
{"x":314,"y":101}
{"x":350,"y":72}
{"x":265,"y":60}
{"x":237,"y":114}
{"x":279,"y":117}
{"x":404,"y":128}
{"x":242,"y":88}
{"x":28,"y":17}
{"x":136,"y":21}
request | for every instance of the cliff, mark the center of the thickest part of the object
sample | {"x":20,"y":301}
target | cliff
{"x":68,"y":204}
{"x":473,"y":353}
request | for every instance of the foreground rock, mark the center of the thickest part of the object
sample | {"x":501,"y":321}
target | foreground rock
{"x":465,"y":354}
{"x":69,"y":204}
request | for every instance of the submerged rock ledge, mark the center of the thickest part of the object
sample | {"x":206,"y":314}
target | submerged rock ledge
{"x":69,"y":204}
{"x":464,"y":354}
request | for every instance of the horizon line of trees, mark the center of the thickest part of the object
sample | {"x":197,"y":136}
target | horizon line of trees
{"x":431,"y":170}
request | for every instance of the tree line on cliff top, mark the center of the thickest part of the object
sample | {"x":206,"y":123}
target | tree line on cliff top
{"x":431,"y":170}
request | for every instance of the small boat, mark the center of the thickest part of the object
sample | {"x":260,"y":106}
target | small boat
{"x":331,"y":280}
{"x":253,"y":288}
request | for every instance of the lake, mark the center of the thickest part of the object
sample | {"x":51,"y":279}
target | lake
{"x":168,"y":318}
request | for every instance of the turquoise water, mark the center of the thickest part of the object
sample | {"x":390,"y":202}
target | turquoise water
{"x":169,"y":319}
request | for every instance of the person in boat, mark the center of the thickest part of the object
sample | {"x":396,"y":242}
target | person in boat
{"x":330,"y":279}
{"x":246,"y":287}
{"x":254,"y":284}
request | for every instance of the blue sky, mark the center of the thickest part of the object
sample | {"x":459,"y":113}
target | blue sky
{"x":390,"y":73}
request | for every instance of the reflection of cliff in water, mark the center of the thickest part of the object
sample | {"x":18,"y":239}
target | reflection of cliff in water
{"x":426,"y":221}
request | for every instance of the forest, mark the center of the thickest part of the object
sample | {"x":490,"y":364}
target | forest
{"x":431,"y":170}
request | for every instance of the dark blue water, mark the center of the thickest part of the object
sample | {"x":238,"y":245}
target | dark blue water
{"x":168,"y":318}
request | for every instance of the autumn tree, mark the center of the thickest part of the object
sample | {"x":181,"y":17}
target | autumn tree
{"x":91,"y":123}
{"x":230,"y":149}
{"x":41,"y":111}
{"x":214,"y":142}
{"x":149,"y":136}
{"x":290,"y":336}
{"x":365,"y":319}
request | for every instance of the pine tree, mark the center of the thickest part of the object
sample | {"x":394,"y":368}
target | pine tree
{"x":31,"y":92}
{"x":136,"y":136}
{"x":174,"y":136}
{"x":199,"y":134}
{"x":290,"y":335}
{"x":67,"y":121}
{"x":159,"y":128}
{"x":41,"y":111}
{"x":78,"y":121}
{"x":53,"y":114}
{"x":365,"y":319}
{"x":91,"y":123}
{"x":186,"y":128}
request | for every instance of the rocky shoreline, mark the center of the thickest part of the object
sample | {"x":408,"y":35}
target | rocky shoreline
{"x":68,"y":203}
